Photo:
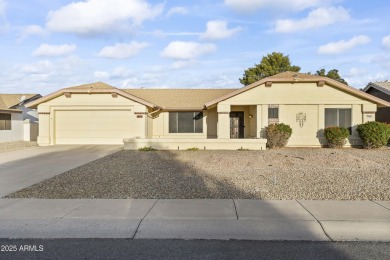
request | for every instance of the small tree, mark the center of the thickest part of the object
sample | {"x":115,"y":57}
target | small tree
{"x":332,"y":74}
{"x":270,"y":65}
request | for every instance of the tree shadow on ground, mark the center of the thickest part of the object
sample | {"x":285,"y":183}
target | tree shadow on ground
{"x":133,"y":174}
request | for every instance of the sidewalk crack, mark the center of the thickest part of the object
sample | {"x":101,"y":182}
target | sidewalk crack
{"x":73,"y":210}
{"x":319,"y":222}
{"x":379,"y":204}
{"x":139,"y":224}
{"x":235,"y":208}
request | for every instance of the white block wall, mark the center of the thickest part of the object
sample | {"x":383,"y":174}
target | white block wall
{"x":16,"y":132}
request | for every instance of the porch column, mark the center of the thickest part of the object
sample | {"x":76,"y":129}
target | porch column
{"x":140,"y":127}
{"x":44,"y":125}
{"x":223,"y":121}
{"x":264,"y":120}
{"x":258,"y":121}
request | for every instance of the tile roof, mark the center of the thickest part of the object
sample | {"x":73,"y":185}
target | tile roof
{"x":198,"y":98}
{"x":95,"y":85}
{"x":7,"y":101}
{"x":290,"y":76}
{"x":178,"y":98}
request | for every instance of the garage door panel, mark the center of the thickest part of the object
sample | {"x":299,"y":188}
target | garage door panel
{"x":92,"y":127}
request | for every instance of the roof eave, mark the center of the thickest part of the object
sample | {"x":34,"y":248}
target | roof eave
{"x":58,"y":93}
{"x":189,"y":109}
{"x":10,"y":111}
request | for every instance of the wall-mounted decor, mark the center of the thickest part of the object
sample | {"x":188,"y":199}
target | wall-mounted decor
{"x":301,"y":118}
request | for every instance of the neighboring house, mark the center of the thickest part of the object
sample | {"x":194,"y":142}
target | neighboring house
{"x":13,"y":114}
{"x":382,"y":91}
{"x":205,"y":118}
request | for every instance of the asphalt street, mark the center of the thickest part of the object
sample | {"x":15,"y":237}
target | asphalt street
{"x":188,"y":249}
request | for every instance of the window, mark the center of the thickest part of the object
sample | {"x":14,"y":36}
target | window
{"x":5,"y":121}
{"x":273,"y":114}
{"x":338,"y":117}
{"x":185,"y":122}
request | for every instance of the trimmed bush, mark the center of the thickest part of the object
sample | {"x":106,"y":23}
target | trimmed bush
{"x":335,"y":136}
{"x":374,"y":134}
{"x":278,"y":135}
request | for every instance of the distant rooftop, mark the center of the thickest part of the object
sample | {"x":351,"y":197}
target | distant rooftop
{"x":383,"y":86}
{"x":8,"y":101}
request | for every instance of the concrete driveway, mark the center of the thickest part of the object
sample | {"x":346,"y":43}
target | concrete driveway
{"x":23,"y":168}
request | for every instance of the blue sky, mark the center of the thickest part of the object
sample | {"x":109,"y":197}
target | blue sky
{"x":47,"y":45}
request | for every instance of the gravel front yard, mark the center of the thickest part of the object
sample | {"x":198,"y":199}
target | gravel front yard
{"x":290,"y":173}
{"x":11,"y":146}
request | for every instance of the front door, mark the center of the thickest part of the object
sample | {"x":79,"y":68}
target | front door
{"x":237,"y":125}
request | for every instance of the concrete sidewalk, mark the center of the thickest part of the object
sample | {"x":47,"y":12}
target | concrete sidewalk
{"x":196,"y":219}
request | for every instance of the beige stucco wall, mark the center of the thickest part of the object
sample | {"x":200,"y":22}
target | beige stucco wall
{"x":294,"y":98}
{"x":201,"y":144}
{"x":90,"y":102}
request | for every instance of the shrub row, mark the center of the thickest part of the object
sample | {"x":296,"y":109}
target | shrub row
{"x":372,"y":134}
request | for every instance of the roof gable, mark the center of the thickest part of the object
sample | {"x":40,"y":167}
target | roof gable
{"x":301,"y":78}
{"x":97,"y":87}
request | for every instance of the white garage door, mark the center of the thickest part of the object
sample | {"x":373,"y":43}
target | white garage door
{"x":92,"y":127}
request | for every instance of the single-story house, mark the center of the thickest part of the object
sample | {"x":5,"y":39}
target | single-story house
{"x":382,"y":91}
{"x":204,"y":118}
{"x":18,"y":123}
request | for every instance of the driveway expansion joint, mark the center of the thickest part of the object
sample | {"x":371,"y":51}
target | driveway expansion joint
{"x":319,"y":222}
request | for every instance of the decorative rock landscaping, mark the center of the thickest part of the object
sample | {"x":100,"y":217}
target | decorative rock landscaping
{"x":288,"y":173}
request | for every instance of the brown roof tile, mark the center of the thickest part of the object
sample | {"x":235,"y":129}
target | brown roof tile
{"x":95,"y":85}
{"x":178,"y":98}
{"x":290,"y":76}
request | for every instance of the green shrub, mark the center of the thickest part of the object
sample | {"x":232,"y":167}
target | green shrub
{"x":193,"y":149}
{"x":278,"y":135}
{"x":336,"y":136}
{"x":374,"y":134}
{"x":146,"y":149}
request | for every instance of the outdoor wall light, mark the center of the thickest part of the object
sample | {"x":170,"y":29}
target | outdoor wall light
{"x":250,"y":116}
